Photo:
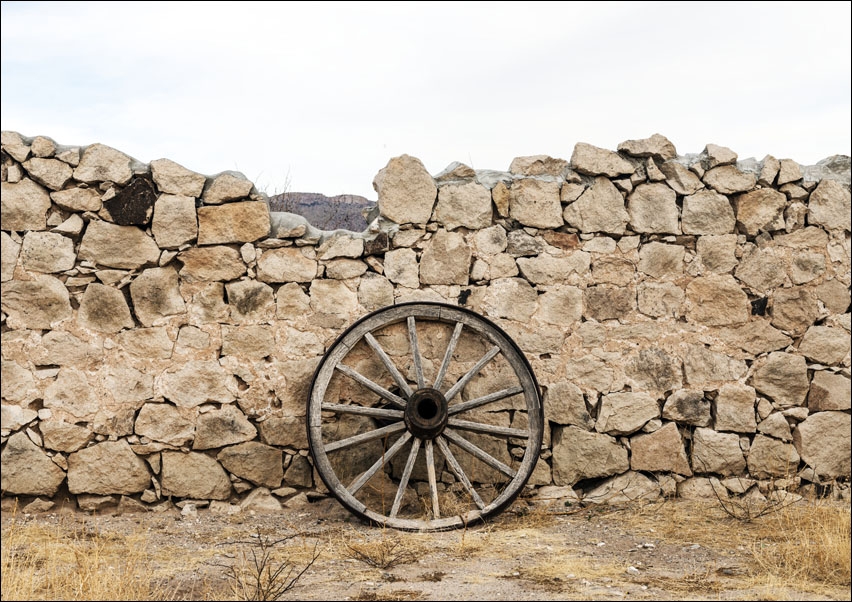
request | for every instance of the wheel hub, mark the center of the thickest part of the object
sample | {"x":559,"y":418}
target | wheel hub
{"x":426,"y":413}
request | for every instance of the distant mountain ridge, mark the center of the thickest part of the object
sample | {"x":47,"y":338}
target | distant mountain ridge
{"x":344,"y":211}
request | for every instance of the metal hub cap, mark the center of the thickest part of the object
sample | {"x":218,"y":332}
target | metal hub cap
{"x":426,"y":413}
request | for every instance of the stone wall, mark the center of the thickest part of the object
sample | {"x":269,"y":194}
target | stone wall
{"x":687,"y":318}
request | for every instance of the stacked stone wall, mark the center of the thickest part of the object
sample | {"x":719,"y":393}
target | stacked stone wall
{"x":688,"y":318}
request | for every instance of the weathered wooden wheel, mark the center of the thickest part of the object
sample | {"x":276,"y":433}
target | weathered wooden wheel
{"x":441,"y":382}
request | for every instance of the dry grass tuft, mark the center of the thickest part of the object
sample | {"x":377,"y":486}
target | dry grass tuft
{"x":387,"y":552}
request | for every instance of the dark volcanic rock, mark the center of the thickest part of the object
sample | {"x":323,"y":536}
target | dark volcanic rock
{"x":133,"y":205}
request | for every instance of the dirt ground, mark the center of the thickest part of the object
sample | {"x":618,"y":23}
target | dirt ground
{"x":654,"y":551}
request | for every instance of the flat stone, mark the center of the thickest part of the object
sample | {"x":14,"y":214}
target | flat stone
{"x":166,"y":423}
{"x":716,"y":300}
{"x":783,"y":377}
{"x":218,"y":428}
{"x":104,"y":308}
{"x":101,"y":163}
{"x":406,"y":191}
{"x":548,"y":269}
{"x":51,"y":173}
{"x":776,"y":425}
{"x":789,"y":171}
{"x":657,"y":146}
{"x":717,"y":252}
{"x":47,"y":252}
{"x":823,"y":441}
{"x":107,"y":468}
{"x":254,"y":341}
{"x":825,"y":345}
{"x":735,"y":408}
{"x":829,"y":392}
{"x":175,"y":222}
{"x":707,"y":369}
{"x":78,"y":199}
{"x":707,"y":212}
{"x":653,"y":209}
{"x":38,"y":303}
{"x":769,"y":458}
{"x":211,"y":263}
{"x":762,"y":269}
{"x":255,"y":462}
{"x":728,"y":179}
{"x":233,"y":223}
{"x":250,"y":301}
{"x":536,"y":203}
{"x":599,"y":209}
{"x":660,"y":451}
{"x":608,"y":302}
{"x":687,"y":407}
{"x":465,"y":205}
{"x":564,"y":404}
{"x":174,"y":179}
{"x":661,"y":261}
{"x":226,"y":187}
{"x":402,"y":268}
{"x":445,"y":260}
{"x":538,"y":165}
{"x":761,"y":210}
{"x":594,"y":161}
{"x":622,"y":489}
{"x":27,"y":470}
{"x":755,"y":337}
{"x":625,"y":413}
{"x":829,"y":206}
{"x":717,"y":453}
{"x":511,"y":298}
{"x":64,"y":436}
{"x":341,"y":245}
{"x":794,"y":309}
{"x":124,"y":247}
{"x":197,"y":382}
{"x":655,"y":371}
{"x":680,"y":178}
{"x":579,"y":454}
{"x":23,"y":206}
{"x":156,"y":295}
{"x":660,"y":299}
{"x":715,"y":155}
{"x":194,"y":475}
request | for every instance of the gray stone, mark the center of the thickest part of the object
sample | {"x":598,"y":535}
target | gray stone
{"x":707,"y":369}
{"x":465,"y":205}
{"x":64,"y":436}
{"x":715,"y":155}
{"x":100,"y":163}
{"x":564,"y":404}
{"x":660,"y":451}
{"x":579,"y":454}
{"x":445,"y":259}
{"x":375,"y":292}
{"x":829,"y":392}
{"x":175,"y":222}
{"x":662,"y":261}
{"x":806,"y":267}
{"x":761,"y":269}
{"x":789,"y":172}
{"x":288,"y":264}
{"x":680,"y":179}
{"x":226,"y":187}
{"x":825,"y":345}
{"x":593,"y":161}
{"x":657,"y":146}
{"x":299,"y":473}
{"x":735,"y":408}
{"x":250,"y":301}
{"x":511,"y":298}
{"x":406,"y":191}
{"x":538,"y":165}
{"x":211,"y":263}
{"x":536,"y":203}
{"x":688,"y":407}
{"x":622,"y":489}
{"x":599,"y":209}
{"x":761,"y":210}
{"x":253,"y":461}
{"x":251,"y":341}
{"x":104,"y":308}
{"x":717,"y":453}
{"x":783,"y":377}
{"x":653,"y":208}
{"x":172,"y":178}
{"x":23,"y":206}
{"x":107,"y":468}
{"x":37,"y":303}
{"x":10,"y":250}
{"x":728,"y":179}
{"x":776,"y":425}
{"x":823,"y":441}
{"x":341,"y":245}
{"x":129,"y":385}
{"x":156,"y":295}
{"x":549,"y":269}
{"x":660,"y":299}
{"x":769,"y":458}
{"x":48,"y":172}
{"x":197,"y":382}
{"x":284,"y":431}
{"x":707,"y":212}
{"x":78,"y":199}
{"x":829,"y":206}
{"x":47,"y":252}
{"x":125,"y":247}
{"x":194,"y":476}
{"x":794,"y":310}
{"x":607,"y":302}
{"x":233,"y":223}
{"x":401,"y":267}
{"x":717,"y":252}
{"x":165,"y":423}
{"x":333,"y":303}
{"x":625,"y":413}
{"x":148,"y":343}
{"x":655,"y":371}
{"x":769,"y":171}
{"x":521,"y":244}
{"x":716,"y":300}
{"x":27,"y":470}
{"x":560,"y":305}
{"x":219,"y":428}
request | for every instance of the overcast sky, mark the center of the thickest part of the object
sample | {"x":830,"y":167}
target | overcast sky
{"x":318,"y":96}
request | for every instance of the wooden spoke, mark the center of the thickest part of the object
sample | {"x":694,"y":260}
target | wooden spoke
{"x":490,"y":429}
{"x":364,"y":437}
{"x":391,"y":367}
{"x":375,"y":388}
{"x":415,"y":352}
{"x":485,"y":399}
{"x":457,"y":470}
{"x":406,"y":474}
{"x":448,"y":355}
{"x":382,"y":461}
{"x":479,"y":453}
{"x":362,"y":411}
{"x":471,"y":373}
{"x":433,"y":486}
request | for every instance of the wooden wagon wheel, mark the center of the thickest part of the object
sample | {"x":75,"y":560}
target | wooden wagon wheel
{"x":424,"y":417}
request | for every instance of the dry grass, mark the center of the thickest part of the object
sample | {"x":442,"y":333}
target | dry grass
{"x":54,"y":562}
{"x":389,"y":550}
